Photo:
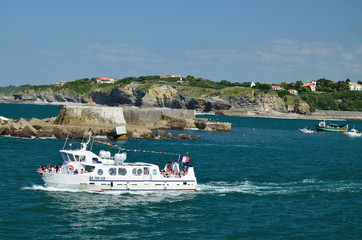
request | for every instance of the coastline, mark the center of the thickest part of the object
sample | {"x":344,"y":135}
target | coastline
{"x":318,"y":114}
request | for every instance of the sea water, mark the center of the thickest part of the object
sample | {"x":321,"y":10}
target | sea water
{"x":263,"y":180}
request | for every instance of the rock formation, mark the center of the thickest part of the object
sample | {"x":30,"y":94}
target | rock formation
{"x":167,"y":96}
{"x":74,"y":121}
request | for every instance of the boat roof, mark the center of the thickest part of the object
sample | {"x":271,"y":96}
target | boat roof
{"x":338,"y":125}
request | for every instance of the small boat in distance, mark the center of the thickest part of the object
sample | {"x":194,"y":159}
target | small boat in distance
{"x":322,"y":126}
{"x":353,"y":133}
{"x":84,"y":170}
{"x":307,"y":130}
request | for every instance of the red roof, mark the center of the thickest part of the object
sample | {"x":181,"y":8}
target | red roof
{"x":307,"y":84}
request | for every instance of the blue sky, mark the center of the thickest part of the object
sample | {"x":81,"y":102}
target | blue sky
{"x":42,"y":42}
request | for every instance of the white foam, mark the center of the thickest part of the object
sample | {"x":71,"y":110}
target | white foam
{"x":305,"y":185}
{"x":4,"y":118}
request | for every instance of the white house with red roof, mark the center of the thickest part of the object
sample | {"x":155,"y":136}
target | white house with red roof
{"x":60,"y":83}
{"x":293,"y":91}
{"x":169,"y":76}
{"x":107,"y":80}
{"x":277,"y":88}
{"x":355,"y":86}
{"x":311,"y":84}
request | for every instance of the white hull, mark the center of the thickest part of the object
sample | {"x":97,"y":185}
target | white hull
{"x":353,"y":133}
{"x":87,"y":182}
{"x":305,"y":130}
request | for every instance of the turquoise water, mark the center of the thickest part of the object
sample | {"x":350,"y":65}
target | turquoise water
{"x":272,"y":182}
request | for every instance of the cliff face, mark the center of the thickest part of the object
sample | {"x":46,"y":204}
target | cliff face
{"x":169,"y":97}
{"x":49,"y":96}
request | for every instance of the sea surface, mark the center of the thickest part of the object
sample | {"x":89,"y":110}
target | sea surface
{"x":263,"y":180}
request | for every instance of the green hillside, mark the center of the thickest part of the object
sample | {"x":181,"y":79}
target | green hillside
{"x":329,"y":95}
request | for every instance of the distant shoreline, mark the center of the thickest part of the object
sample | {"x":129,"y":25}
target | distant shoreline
{"x":319,"y":114}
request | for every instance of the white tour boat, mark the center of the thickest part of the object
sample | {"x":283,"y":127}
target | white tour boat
{"x":353,"y":133}
{"x":84,"y":170}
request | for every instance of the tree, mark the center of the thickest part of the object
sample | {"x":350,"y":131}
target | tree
{"x":347,"y":80}
{"x":342,"y":86}
{"x":225,"y":83}
{"x":298,"y":84}
{"x":304,"y":89}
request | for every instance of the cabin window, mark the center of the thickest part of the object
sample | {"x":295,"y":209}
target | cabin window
{"x":82,"y":158}
{"x":65,"y":158}
{"x":112,"y":171}
{"x":76,"y":158}
{"x":71,"y":157}
{"x":100,"y":172}
{"x":122,"y":171}
{"x":137,"y":171}
{"x":146,"y":171}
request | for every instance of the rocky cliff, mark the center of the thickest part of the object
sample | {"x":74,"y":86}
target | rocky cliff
{"x":49,"y":96}
{"x":167,"y":96}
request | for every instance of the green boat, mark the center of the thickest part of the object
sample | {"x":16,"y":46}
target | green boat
{"x":332,"y":127}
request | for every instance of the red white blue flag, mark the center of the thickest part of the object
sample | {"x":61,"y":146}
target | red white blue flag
{"x":183,"y":159}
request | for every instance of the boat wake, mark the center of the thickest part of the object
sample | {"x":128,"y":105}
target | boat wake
{"x":53,"y":189}
{"x":32,"y":137}
{"x":305,"y":186}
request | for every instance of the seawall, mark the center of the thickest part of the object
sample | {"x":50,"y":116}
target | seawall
{"x":147,"y":115}
{"x":90,"y":115}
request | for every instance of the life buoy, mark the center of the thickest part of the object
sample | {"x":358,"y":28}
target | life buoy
{"x":70,"y":167}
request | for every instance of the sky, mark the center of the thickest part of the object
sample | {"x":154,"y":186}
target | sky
{"x":45,"y":41}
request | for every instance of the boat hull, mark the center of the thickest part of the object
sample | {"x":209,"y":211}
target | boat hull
{"x":90,"y":183}
{"x":329,"y":129}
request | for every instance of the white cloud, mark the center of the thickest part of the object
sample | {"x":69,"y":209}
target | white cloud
{"x":359,"y":49}
{"x":123,"y":53}
{"x":347,"y":56}
{"x":296,"y":48}
{"x":279,"y":60}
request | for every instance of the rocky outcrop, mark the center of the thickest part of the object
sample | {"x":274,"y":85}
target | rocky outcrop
{"x":301,"y":107}
{"x":74,"y":121}
{"x":49,"y":96}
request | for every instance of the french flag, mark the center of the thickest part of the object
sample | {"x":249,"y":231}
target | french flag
{"x":183,"y":159}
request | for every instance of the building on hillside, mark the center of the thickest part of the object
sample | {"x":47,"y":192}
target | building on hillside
{"x":60,"y":83}
{"x":311,"y":84}
{"x":107,"y":80}
{"x":170,"y":76}
{"x":293,"y":91}
{"x":277,"y":88}
{"x":355,"y":86}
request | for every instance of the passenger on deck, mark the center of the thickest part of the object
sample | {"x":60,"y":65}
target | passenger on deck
{"x":76,"y":172}
{"x":40,"y":169}
{"x":81,"y":171}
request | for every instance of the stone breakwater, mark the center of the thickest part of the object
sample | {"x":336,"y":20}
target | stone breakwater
{"x":75,"y":121}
